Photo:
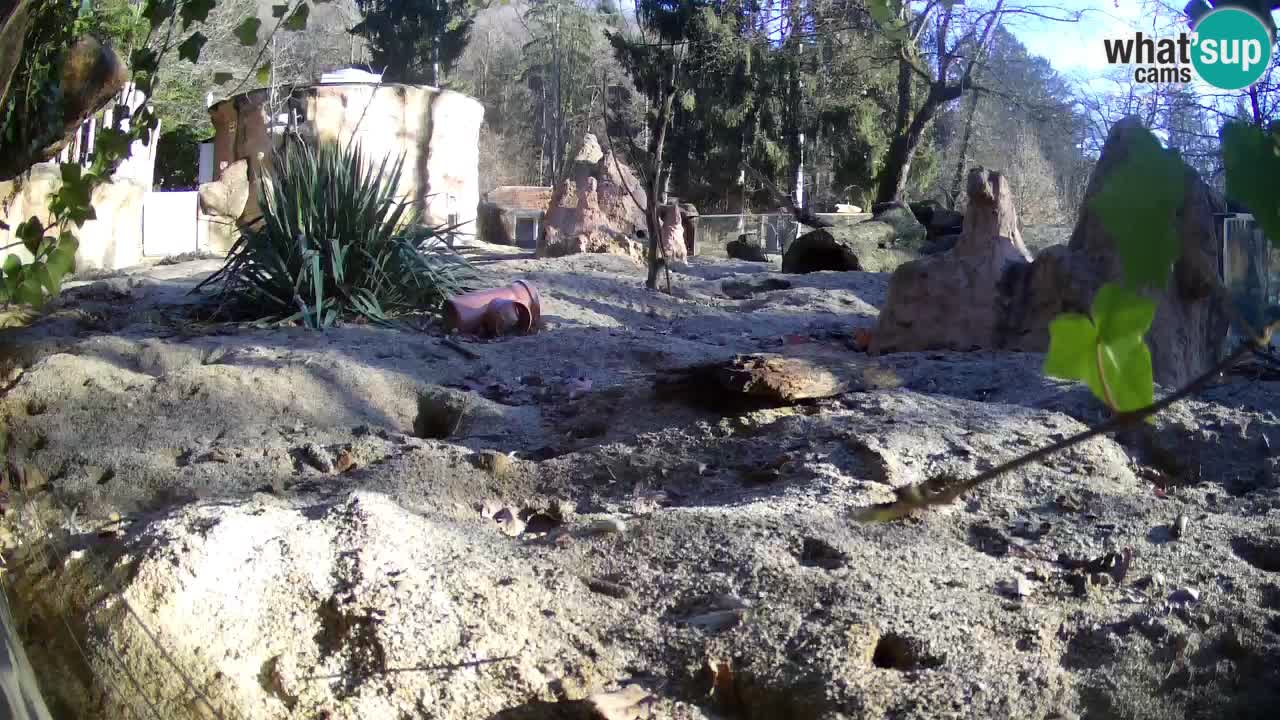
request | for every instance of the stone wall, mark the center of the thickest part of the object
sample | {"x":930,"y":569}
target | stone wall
{"x":437,"y":131}
{"x":112,"y":240}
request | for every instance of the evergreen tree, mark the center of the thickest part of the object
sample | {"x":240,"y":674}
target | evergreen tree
{"x":415,"y":41}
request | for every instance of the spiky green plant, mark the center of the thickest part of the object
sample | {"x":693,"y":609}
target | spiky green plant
{"x":335,"y":242}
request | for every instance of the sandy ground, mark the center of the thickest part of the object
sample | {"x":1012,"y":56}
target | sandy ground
{"x":181,"y":549}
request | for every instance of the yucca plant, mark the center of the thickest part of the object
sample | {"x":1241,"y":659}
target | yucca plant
{"x":335,"y":242}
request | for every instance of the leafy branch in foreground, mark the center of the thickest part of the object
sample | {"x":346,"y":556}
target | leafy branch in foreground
{"x":1106,"y":350}
{"x":334,"y":242}
{"x":61,"y":68}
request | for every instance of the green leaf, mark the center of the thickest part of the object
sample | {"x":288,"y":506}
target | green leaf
{"x":195,"y":11}
{"x":298,"y":20}
{"x":1106,"y":353}
{"x":62,"y":261}
{"x":1121,"y":314}
{"x":1072,"y":340}
{"x":222,"y":78}
{"x":30,"y":232}
{"x":144,"y":60}
{"x":247,"y":31}
{"x":1123,"y":318}
{"x":1251,"y":157}
{"x":46,"y":279}
{"x":12,"y":265}
{"x":157,"y":11}
{"x":29,"y":293}
{"x":191,"y":47}
{"x":111,"y":144}
{"x":1138,"y":206}
{"x":263,"y":75}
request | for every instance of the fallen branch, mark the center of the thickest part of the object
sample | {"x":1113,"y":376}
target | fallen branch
{"x":943,"y":490}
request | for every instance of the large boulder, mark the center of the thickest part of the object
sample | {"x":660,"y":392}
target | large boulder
{"x":986,"y":293}
{"x":908,"y":232}
{"x":819,"y":250}
{"x":598,"y":209}
{"x":874,"y":243}
{"x":744,"y":249}
{"x":1186,"y":338}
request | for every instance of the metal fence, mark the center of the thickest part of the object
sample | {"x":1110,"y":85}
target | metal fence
{"x":1250,"y":269}
{"x":773,"y":231}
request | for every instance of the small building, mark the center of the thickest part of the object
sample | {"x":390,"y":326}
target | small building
{"x":513,"y":215}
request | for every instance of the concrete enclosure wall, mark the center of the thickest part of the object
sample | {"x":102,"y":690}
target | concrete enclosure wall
{"x":437,"y":132}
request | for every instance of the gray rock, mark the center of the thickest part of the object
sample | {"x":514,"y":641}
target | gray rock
{"x":818,"y":250}
{"x":743,"y":249}
{"x":908,"y":232}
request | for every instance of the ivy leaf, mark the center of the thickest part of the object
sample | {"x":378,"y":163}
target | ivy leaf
{"x":30,"y":232}
{"x":111,"y":144}
{"x":1123,"y":318}
{"x":144,"y":60}
{"x":46,"y":280}
{"x":1138,"y":206}
{"x":28,"y":292}
{"x":1252,"y":159}
{"x":298,"y":20}
{"x":195,"y":11}
{"x":157,"y":11}
{"x":263,"y":75}
{"x":62,"y":260}
{"x":1106,"y":352}
{"x":222,"y":78}
{"x":247,"y":31}
{"x":191,"y":47}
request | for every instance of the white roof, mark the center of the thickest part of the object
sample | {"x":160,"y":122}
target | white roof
{"x":350,"y":75}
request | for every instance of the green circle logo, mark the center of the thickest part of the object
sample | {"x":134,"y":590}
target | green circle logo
{"x":1232,"y":48}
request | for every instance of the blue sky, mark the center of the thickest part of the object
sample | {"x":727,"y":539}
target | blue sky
{"x":1075,"y":49}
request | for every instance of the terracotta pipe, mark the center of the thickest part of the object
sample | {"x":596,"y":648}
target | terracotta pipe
{"x":512,"y":308}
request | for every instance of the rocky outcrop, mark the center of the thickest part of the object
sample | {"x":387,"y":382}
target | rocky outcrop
{"x":952,"y":300}
{"x":597,"y":209}
{"x":226,"y":196}
{"x":1187,"y":335}
{"x":744,"y":249}
{"x":986,"y":292}
{"x":908,"y":232}
{"x":820,"y":250}
{"x":938,"y":221}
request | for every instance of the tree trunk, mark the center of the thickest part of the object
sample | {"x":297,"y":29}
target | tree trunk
{"x":897,"y":166}
{"x":964,"y":150}
{"x":655,"y":179}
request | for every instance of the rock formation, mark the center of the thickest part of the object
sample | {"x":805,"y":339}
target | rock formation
{"x":673,"y":247}
{"x":908,"y":231}
{"x":986,"y":292}
{"x":744,"y":249}
{"x":820,"y":250}
{"x":596,"y":209}
{"x":950,"y":300}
